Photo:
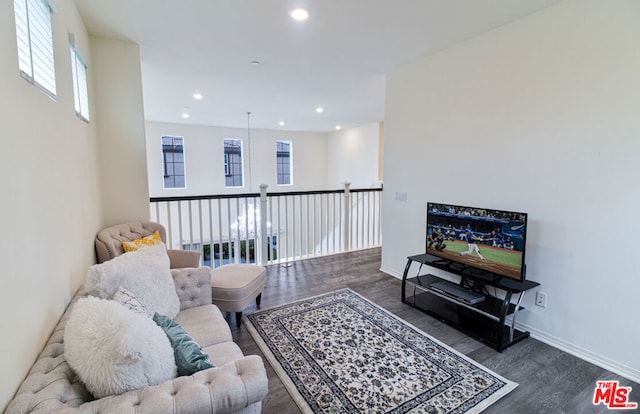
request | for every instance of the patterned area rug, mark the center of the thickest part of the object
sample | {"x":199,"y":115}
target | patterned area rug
{"x":340,"y":353}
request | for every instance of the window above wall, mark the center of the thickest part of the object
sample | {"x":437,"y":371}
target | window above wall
{"x":35,"y":43}
{"x":233,"y":169}
{"x":283,"y":162}
{"x":173,"y":162}
{"x":79,"y":76}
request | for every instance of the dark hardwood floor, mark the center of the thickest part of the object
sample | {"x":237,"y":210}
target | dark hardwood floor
{"x":550,"y":380}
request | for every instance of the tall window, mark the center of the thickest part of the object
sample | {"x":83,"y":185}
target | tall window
{"x":35,"y":43}
{"x":79,"y":75}
{"x":283,"y":162}
{"x":233,"y":163}
{"x":173,"y":162}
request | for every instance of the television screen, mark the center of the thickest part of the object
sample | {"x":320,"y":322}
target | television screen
{"x":484,"y":239}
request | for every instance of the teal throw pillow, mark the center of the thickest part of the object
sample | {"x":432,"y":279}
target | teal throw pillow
{"x":189,"y":357}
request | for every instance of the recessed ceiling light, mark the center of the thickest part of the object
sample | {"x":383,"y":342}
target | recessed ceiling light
{"x":255,"y":62}
{"x":300,"y":14}
{"x":185,"y":115}
{"x":319,"y":109}
{"x":197,"y":96}
{"x":281,"y":123}
{"x":338,"y":127}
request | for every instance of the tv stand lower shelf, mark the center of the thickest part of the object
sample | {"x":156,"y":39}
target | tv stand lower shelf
{"x":485,"y":321}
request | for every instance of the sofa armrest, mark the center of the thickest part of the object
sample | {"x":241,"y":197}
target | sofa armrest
{"x":193,"y":286}
{"x":183,"y":258}
{"x":227,"y":388}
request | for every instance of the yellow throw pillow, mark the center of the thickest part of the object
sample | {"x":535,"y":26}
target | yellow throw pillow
{"x":150,"y":240}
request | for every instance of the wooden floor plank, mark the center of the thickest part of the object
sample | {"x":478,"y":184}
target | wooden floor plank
{"x":550,"y":380}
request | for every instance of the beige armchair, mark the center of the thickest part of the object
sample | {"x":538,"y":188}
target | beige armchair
{"x":109,"y":243}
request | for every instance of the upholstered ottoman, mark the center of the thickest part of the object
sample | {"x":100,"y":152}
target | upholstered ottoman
{"x":234,"y":286}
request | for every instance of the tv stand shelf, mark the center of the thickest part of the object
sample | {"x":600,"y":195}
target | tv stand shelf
{"x":486,"y":320}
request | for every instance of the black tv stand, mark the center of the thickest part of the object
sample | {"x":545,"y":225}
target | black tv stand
{"x":486,"y":320}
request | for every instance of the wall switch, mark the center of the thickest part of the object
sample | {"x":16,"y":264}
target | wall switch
{"x":401,"y":196}
{"x":541,"y":299}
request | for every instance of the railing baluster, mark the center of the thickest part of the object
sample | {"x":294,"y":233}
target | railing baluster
{"x":190,"y":226}
{"x":256,"y":246}
{"x":201,"y":231}
{"x":270,"y":232}
{"x":357,"y":220}
{"x":328,"y":221}
{"x":180,"y":238}
{"x":340,"y":229}
{"x":322,"y":228}
{"x":379,"y":218}
{"x":308,"y":243}
{"x":301,"y":243}
{"x":302,"y":253}
{"x":220,"y":240}
{"x":238,"y":246}
{"x":360,"y":207}
{"x":246,"y":234}
{"x":333,"y":223}
{"x":286,"y":224}
{"x":230,"y":247}
{"x":314,"y":238}
{"x":293,"y":225}
{"x":280,"y":241}
{"x":211,"y":258}
{"x":169,"y":234}
{"x":369,"y":218}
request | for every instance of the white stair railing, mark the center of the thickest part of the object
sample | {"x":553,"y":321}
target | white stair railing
{"x":269,"y":228}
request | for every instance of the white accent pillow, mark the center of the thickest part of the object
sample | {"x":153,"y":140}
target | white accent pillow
{"x":129,"y":301}
{"x":145,"y":273}
{"x":114,"y":350}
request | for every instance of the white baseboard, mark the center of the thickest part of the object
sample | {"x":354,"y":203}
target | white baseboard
{"x":614,"y":366}
{"x":390,"y":272}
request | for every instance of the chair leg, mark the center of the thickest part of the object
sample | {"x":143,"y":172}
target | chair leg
{"x":238,"y":318}
{"x":258,"y":299}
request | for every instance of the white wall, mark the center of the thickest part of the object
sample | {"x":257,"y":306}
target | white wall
{"x":204,"y":159}
{"x":120,"y":120}
{"x":540,"y":116}
{"x":51,"y":207}
{"x":354,"y":157}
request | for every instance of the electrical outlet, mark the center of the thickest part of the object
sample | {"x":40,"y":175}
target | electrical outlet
{"x":541,"y":299}
{"x":401,"y":196}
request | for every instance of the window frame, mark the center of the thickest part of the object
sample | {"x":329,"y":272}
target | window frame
{"x":165,"y":163}
{"x":80,"y":84}
{"x":290,"y":173}
{"x":228,"y":164}
{"x":34,"y":38}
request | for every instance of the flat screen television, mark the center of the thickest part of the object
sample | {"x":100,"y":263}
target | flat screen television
{"x":490,"y":241}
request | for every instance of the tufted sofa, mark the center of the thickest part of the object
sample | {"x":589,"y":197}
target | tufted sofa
{"x":237,"y":383}
{"x":109,"y":243}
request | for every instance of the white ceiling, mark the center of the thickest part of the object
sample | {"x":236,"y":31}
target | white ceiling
{"x":336,"y":59}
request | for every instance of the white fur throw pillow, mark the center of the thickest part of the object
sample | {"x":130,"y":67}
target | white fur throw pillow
{"x":114,"y":350}
{"x":145,"y":273}
{"x":129,"y":301}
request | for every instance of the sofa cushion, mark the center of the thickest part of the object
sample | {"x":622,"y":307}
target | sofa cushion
{"x":188,"y":355}
{"x":114,"y":350}
{"x":223,"y":353}
{"x":145,"y":273}
{"x":150,"y":240}
{"x":205,"y":324}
